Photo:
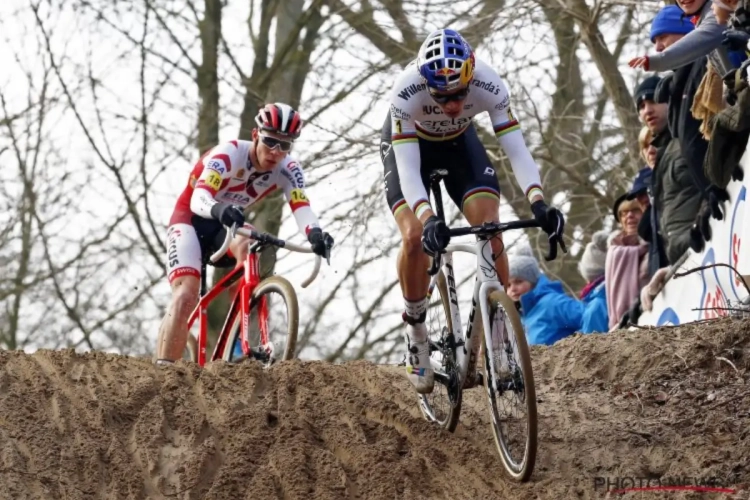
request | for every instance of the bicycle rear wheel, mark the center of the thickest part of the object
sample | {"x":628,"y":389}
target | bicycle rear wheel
{"x":283,"y":323}
{"x":191,"y":349}
{"x":443,"y":404}
{"x":511,"y":382}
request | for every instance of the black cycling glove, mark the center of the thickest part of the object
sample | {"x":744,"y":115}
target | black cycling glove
{"x":550,"y":219}
{"x":228,"y":214}
{"x":435,"y":236}
{"x":321,"y":242}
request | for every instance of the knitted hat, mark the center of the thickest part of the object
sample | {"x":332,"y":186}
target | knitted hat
{"x":523,"y":265}
{"x":670,"y":20}
{"x":646,"y":90}
{"x":591,"y":265}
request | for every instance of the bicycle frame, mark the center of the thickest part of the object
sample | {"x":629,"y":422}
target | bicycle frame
{"x":249,"y":277}
{"x":486,"y":282}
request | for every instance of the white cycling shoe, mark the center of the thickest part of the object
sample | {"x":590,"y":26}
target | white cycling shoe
{"x":418,"y":369}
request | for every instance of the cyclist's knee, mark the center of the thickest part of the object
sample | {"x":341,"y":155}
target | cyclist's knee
{"x":412,"y":241}
{"x":411,"y":234}
{"x":481,"y":210}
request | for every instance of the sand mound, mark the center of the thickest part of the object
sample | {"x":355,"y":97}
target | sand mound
{"x":672,"y":402}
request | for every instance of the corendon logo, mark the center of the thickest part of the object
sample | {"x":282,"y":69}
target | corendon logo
{"x":714,"y":304}
{"x":736,"y":242}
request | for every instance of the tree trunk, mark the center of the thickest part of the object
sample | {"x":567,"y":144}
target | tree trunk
{"x":207,"y":78}
{"x":278,"y":80}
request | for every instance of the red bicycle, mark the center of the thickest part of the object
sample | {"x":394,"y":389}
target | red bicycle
{"x":269,"y":343}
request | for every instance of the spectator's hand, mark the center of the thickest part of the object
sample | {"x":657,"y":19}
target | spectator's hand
{"x":435,"y":236}
{"x":704,"y":223}
{"x":228,"y":214}
{"x":737,"y":173}
{"x":715,"y":197}
{"x":632,"y":315}
{"x":697,"y":243}
{"x":639,"y":62}
{"x":735,"y":40}
{"x":735,"y":80}
{"x":650,"y":291}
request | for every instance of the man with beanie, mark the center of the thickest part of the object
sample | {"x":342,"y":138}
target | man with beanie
{"x":547,"y":313}
{"x":652,"y":114}
{"x":593,"y":295}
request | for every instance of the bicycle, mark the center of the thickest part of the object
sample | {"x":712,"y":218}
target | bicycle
{"x":453,"y":355}
{"x":251,"y":296}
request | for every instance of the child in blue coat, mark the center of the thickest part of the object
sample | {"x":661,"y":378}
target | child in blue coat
{"x":591,"y":267}
{"x":547,"y":312}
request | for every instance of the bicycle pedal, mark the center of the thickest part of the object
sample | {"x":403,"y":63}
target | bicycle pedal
{"x":254,"y":354}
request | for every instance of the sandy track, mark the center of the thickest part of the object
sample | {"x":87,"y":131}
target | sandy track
{"x":644,"y":404}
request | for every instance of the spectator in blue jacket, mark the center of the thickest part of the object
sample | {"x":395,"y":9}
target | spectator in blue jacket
{"x":547,"y":313}
{"x":593,"y":295}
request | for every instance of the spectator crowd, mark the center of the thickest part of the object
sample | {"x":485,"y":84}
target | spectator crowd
{"x":695,"y":111}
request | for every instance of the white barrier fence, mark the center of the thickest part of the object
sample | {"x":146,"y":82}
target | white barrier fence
{"x":709,"y":293}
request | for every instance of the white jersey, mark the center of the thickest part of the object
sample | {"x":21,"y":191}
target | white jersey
{"x":414,"y":115}
{"x":226,"y":174}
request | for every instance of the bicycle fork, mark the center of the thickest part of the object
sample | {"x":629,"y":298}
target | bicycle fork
{"x":487,"y":281}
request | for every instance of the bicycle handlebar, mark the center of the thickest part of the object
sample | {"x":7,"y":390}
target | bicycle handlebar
{"x":491,"y":228}
{"x":266,"y":239}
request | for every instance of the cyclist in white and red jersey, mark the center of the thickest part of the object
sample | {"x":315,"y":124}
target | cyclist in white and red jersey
{"x":226,"y":179}
{"x":429,"y":127}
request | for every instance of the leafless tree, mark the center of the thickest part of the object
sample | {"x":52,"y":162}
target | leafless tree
{"x":577,"y":113}
{"x":146,"y":86}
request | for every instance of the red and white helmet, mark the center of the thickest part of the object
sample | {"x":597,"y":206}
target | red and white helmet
{"x":279,"y":118}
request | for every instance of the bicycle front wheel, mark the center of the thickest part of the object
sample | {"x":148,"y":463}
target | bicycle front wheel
{"x":278,"y":297}
{"x":511,"y":395}
{"x":443,"y":405}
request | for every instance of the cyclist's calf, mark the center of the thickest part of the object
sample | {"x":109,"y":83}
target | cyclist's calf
{"x":185,"y":297}
{"x":173,"y":335}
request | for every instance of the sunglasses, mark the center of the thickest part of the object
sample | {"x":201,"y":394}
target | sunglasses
{"x":273,"y":143}
{"x":455,"y":96}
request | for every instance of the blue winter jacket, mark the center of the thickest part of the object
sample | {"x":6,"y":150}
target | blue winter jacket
{"x":548,"y":313}
{"x":595,"y":318}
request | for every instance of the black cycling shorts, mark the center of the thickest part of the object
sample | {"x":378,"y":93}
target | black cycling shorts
{"x":211,"y":234}
{"x":470,"y":172}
